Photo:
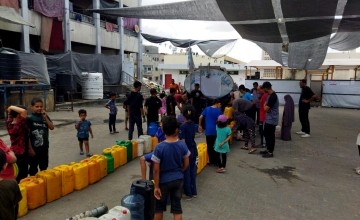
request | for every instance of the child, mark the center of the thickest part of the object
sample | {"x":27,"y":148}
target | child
{"x":39,"y":124}
{"x":10,"y":195}
{"x":9,"y":171}
{"x":162,"y":110}
{"x":18,"y":132}
{"x":246,"y":124}
{"x":83,"y":128}
{"x":223,"y":135}
{"x":187,"y":134}
{"x":211,"y":113}
{"x":171,"y":159}
{"x":111,"y":105}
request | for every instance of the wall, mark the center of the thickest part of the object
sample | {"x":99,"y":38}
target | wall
{"x":28,"y":95}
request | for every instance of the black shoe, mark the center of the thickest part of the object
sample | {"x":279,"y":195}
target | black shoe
{"x":268,"y":155}
{"x":263,"y":152}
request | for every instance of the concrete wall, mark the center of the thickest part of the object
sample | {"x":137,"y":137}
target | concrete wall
{"x":28,"y":95}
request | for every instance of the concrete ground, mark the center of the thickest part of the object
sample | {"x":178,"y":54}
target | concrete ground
{"x":310,"y":178}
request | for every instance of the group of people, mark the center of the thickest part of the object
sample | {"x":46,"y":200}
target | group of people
{"x":28,"y":152}
{"x":173,"y":163}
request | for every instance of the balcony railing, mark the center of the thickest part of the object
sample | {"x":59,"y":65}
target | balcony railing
{"x":89,"y":20}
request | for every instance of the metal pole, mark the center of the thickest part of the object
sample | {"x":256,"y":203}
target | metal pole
{"x":25,"y":40}
{"x":121,"y":40}
{"x":96,"y":17}
{"x":139,"y":58}
{"x":67,"y":26}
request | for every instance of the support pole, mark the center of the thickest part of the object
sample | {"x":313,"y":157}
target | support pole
{"x":25,"y":32}
{"x":96,"y":17}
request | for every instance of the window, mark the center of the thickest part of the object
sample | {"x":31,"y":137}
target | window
{"x":184,"y":72}
{"x":156,"y":78}
{"x":150,"y":78}
{"x":156,"y":69}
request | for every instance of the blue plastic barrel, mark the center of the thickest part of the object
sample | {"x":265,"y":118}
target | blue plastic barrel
{"x":135,"y":203}
{"x":152,"y":129}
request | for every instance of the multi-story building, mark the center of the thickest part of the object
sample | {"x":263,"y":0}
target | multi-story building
{"x":175,"y":66}
{"x":86,"y":34}
{"x":151,"y":60}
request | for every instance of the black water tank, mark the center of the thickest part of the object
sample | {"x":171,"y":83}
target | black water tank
{"x":10,"y":65}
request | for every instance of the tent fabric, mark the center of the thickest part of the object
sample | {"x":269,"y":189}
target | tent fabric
{"x":10,"y":15}
{"x":33,"y":65}
{"x":209,"y":47}
{"x":344,"y":41}
{"x":302,"y":27}
{"x":72,"y":63}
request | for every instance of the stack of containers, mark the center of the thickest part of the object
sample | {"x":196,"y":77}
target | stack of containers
{"x":122,"y":154}
{"x":35,"y":190}
{"x":128,"y":146}
{"x":134,"y":148}
{"x":93,"y":170}
{"x":147,"y":143}
{"x":110,"y":160}
{"x":52,"y":179}
{"x":23,"y":207}
{"x":81,"y":175}
{"x":67,"y":178}
{"x":102,"y":163}
{"x":116,"y":155}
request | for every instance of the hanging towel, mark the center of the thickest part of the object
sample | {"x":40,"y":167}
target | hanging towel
{"x":109,"y":27}
{"x":57,"y":40}
{"x":50,"y":8}
{"x":11,"y":4}
{"x":46,"y":26}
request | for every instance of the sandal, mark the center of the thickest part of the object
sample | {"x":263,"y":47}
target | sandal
{"x":252,"y":150}
{"x":244,"y":148}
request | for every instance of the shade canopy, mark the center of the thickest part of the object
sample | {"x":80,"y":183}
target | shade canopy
{"x":10,"y":15}
{"x":294,"y":33}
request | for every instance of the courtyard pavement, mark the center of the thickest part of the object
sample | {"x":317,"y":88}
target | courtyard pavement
{"x":310,"y":178}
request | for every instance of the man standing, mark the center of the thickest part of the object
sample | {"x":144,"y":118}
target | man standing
{"x":272,"y":118}
{"x":152,"y":105}
{"x":175,"y":86}
{"x":256,"y":100}
{"x":307,"y":95}
{"x":134,"y":104}
{"x":197,"y":98}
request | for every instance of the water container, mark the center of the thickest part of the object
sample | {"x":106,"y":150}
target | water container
{"x":93,"y":170}
{"x":10,"y":65}
{"x":116,"y":154}
{"x":278,"y":131}
{"x":146,"y":189}
{"x":52,"y":180}
{"x":140,"y":143}
{"x":128,"y":146}
{"x":200,"y":161}
{"x":134,"y":148}
{"x":120,"y":213}
{"x":23,"y":207}
{"x":154,"y":142}
{"x":102,"y":163}
{"x":110,"y":160}
{"x":92,"y":85}
{"x":147,"y":144}
{"x":81,"y":173}
{"x":135,"y":203}
{"x":36,"y":191}
{"x":67,"y":179}
{"x":152,"y":129}
{"x":122,"y":152}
